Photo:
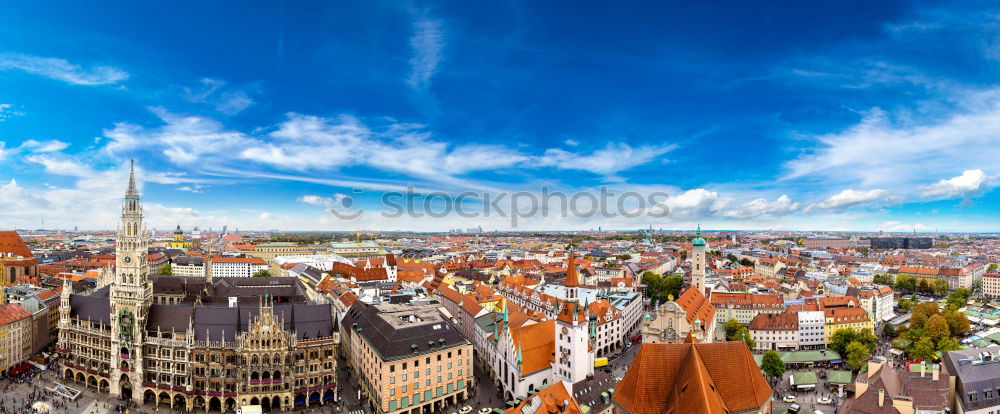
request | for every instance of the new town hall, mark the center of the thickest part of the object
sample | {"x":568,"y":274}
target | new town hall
{"x":195,"y":344}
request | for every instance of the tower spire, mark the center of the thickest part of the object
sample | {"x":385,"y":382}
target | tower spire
{"x":132,"y":190}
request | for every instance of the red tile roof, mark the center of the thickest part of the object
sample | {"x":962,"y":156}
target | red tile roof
{"x":13,"y":312}
{"x":706,"y":378}
{"x":553,"y":399}
{"x":11,"y":243}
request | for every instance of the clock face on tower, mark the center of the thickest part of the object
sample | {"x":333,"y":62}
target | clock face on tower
{"x":127,"y":259}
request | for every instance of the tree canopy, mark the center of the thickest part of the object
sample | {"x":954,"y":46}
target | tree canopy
{"x":772,"y":364}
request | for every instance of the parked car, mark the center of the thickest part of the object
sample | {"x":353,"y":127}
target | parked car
{"x":789,"y":399}
{"x":824,"y":401}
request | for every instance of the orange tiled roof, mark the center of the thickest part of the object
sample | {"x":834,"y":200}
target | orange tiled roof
{"x":696,"y":307}
{"x":537,"y":343}
{"x":692,"y":379}
{"x":11,"y":242}
{"x":550,"y":400}
{"x":775,"y":322}
{"x":13,"y":312}
{"x":846,"y":315}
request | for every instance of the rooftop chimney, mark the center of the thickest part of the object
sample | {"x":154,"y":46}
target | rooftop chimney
{"x":921,"y":370}
{"x":881,"y":396}
{"x":937,"y":372}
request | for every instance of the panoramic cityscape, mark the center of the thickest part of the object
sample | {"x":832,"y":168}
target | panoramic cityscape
{"x":500,"y":208}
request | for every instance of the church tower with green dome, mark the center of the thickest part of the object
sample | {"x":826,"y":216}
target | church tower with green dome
{"x":698,"y":262}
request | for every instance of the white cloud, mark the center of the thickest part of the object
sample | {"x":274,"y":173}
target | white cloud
{"x":61,"y":166}
{"x":183,"y":139}
{"x":758,"y":207}
{"x":44,"y":146}
{"x":696,"y":204}
{"x":879,"y":151}
{"x":427,"y":43}
{"x":970,"y":183}
{"x":851,"y":197}
{"x":306,"y":143}
{"x":197,"y":188}
{"x":896,"y":226}
{"x":61,"y":69}
{"x":610,"y":160}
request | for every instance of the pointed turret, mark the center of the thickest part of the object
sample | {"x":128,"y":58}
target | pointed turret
{"x":133,"y":191}
{"x":572,"y":277}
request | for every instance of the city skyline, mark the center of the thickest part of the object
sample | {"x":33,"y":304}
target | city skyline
{"x":857,"y":117}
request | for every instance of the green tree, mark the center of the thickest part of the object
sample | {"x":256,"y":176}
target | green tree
{"x":937,"y":328}
{"x":746,"y":262}
{"x":941,"y":287}
{"x":958,"y":298}
{"x":958,"y":323}
{"x":889,"y":331}
{"x":841,"y":338}
{"x":167,"y":270}
{"x":772,"y":364}
{"x":624,"y":257}
{"x":924,"y":349}
{"x":732,"y":328}
{"x":906,"y":283}
{"x":904,"y":305}
{"x":672,"y":286}
{"x":924,"y":286}
{"x":882,"y":279}
{"x":857,"y":355}
{"x":992,"y":268}
{"x":262,"y":273}
{"x":732,"y":258}
{"x":948,"y":345}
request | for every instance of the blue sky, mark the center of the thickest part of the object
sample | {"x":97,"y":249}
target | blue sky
{"x":827,"y":116}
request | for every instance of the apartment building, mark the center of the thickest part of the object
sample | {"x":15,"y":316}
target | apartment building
{"x":846,"y":318}
{"x":775,"y":331}
{"x":812,"y":326}
{"x":991,"y":285}
{"x":745,"y":306}
{"x":15,"y":335}
{"x":237,"y":266}
{"x":408,"y":358}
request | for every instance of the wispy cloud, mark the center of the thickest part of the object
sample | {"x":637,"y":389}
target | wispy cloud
{"x":63,"y":70}
{"x":851,"y":197}
{"x":427,"y":42}
{"x":227,"y":100}
{"x":7,"y":111}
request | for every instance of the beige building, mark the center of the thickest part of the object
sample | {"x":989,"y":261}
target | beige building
{"x":408,"y":358}
{"x":268,"y":251}
{"x":744,"y":307}
{"x":991,"y":285}
{"x":15,"y":335}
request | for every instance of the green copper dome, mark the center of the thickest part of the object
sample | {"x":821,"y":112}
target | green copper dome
{"x":698,"y":241}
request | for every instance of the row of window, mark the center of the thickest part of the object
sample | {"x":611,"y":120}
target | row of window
{"x":406,"y":402}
